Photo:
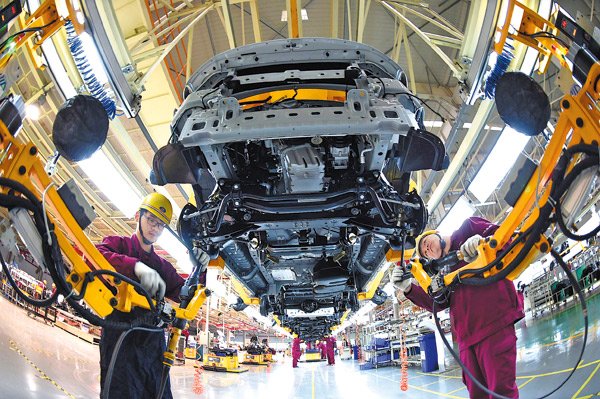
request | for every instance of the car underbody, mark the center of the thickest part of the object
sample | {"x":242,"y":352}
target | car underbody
{"x":300,"y":154}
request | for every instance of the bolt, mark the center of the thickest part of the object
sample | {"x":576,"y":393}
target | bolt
{"x":237,"y":203}
{"x":579,"y":122}
{"x":75,"y":278}
{"x":493,"y":243}
{"x":113,"y":302}
{"x":117,"y":281}
{"x":354,"y":211}
{"x":544,"y":247}
{"x":376,"y":174}
{"x":360,"y":180}
{"x":566,"y":104}
{"x":211,"y":224}
{"x":247,"y":217}
{"x":221,"y":182}
{"x":22,"y":170}
{"x":33,"y":151}
{"x":236,"y":186}
{"x":361,"y":197}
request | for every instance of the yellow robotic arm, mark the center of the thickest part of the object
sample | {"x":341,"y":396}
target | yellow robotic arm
{"x":573,"y":148}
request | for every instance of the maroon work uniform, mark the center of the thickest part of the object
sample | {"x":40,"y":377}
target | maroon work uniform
{"x":483,"y":320}
{"x":138,"y":368}
{"x":331,"y":351}
{"x":295,"y":352}
{"x":323,"y":349}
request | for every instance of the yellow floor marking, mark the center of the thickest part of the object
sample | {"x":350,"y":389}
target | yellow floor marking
{"x":590,"y":330}
{"x":526,"y":382}
{"x":435,"y":382}
{"x":560,"y":371}
{"x":13,"y":346}
{"x":586,"y":381}
{"x":418,"y":388}
{"x":459,"y":389}
{"x":313,"y":384}
{"x":445,"y":395}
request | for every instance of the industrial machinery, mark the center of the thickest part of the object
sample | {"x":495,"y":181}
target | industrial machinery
{"x":223,"y":360}
{"x":547,"y":196}
{"x":300,"y":154}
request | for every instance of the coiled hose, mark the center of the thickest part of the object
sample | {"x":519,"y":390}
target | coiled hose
{"x":87,"y":73}
{"x":403,"y":353}
{"x":502,"y":63}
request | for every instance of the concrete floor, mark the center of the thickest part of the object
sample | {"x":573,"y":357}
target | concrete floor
{"x":40,"y":361}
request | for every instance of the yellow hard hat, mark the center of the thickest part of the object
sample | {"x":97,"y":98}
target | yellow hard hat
{"x":419,"y":238}
{"x":158,"y":205}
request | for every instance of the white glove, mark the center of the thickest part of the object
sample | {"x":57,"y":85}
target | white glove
{"x":402,"y":285}
{"x":201,"y":257}
{"x":150,"y":280}
{"x":469,"y":248}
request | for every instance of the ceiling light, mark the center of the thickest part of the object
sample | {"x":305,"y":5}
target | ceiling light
{"x":111,"y":183}
{"x":500,"y":160}
{"x":461,"y":210}
{"x":32,"y":111}
{"x":303,"y":14}
{"x":171,"y":244}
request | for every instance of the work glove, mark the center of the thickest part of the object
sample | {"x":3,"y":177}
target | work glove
{"x":150,"y":280}
{"x":201,"y":257}
{"x":398,"y":282}
{"x":469,"y":248}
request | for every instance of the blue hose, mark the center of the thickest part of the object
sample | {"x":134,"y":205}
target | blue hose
{"x":83,"y":66}
{"x":498,"y":70}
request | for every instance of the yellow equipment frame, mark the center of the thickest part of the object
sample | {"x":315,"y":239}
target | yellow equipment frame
{"x":579,"y":123}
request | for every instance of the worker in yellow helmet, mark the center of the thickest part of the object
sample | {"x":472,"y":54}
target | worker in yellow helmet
{"x":482,"y":317}
{"x":137,"y":371}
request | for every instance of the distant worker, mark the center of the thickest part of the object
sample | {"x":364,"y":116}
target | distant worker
{"x":330,"y":350}
{"x":295,"y":352}
{"x":137,"y":371}
{"x":482,"y":317}
{"x":323,"y":348}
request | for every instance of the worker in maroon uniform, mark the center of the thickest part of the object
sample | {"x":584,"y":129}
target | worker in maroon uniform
{"x":295,"y":352}
{"x":482,"y":317}
{"x":330,"y":350}
{"x":138,"y":368}
{"x":323,"y":348}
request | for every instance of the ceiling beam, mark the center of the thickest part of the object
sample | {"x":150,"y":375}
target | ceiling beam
{"x":294,"y":18}
{"x":363,"y":13}
{"x":255,"y":21}
{"x":334,"y":8}
{"x":449,"y":63}
{"x":173,"y":43}
{"x":227,"y":23}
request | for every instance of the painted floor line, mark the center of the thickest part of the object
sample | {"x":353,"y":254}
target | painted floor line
{"x":586,"y":382}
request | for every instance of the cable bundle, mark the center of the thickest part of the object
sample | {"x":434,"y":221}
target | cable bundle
{"x":502,"y":63}
{"x":87,"y":74}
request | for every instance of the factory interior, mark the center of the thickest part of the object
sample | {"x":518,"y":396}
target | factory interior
{"x":300,"y":199}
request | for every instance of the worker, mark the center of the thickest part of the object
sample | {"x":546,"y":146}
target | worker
{"x":138,"y":368}
{"x":330,"y":350}
{"x":323,"y":348}
{"x":482,"y":317}
{"x":295,"y":352}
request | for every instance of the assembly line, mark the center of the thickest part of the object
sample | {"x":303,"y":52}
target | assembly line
{"x":301,"y":225}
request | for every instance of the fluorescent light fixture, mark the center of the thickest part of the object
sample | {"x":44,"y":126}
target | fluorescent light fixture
{"x":106,"y":177}
{"x":91,"y":51}
{"x":171,"y":244}
{"x":303,"y":15}
{"x":500,"y":160}
{"x":461,"y":210}
{"x":58,"y":70}
{"x":529,"y":61}
{"x":32,"y":111}
{"x":433,"y":123}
